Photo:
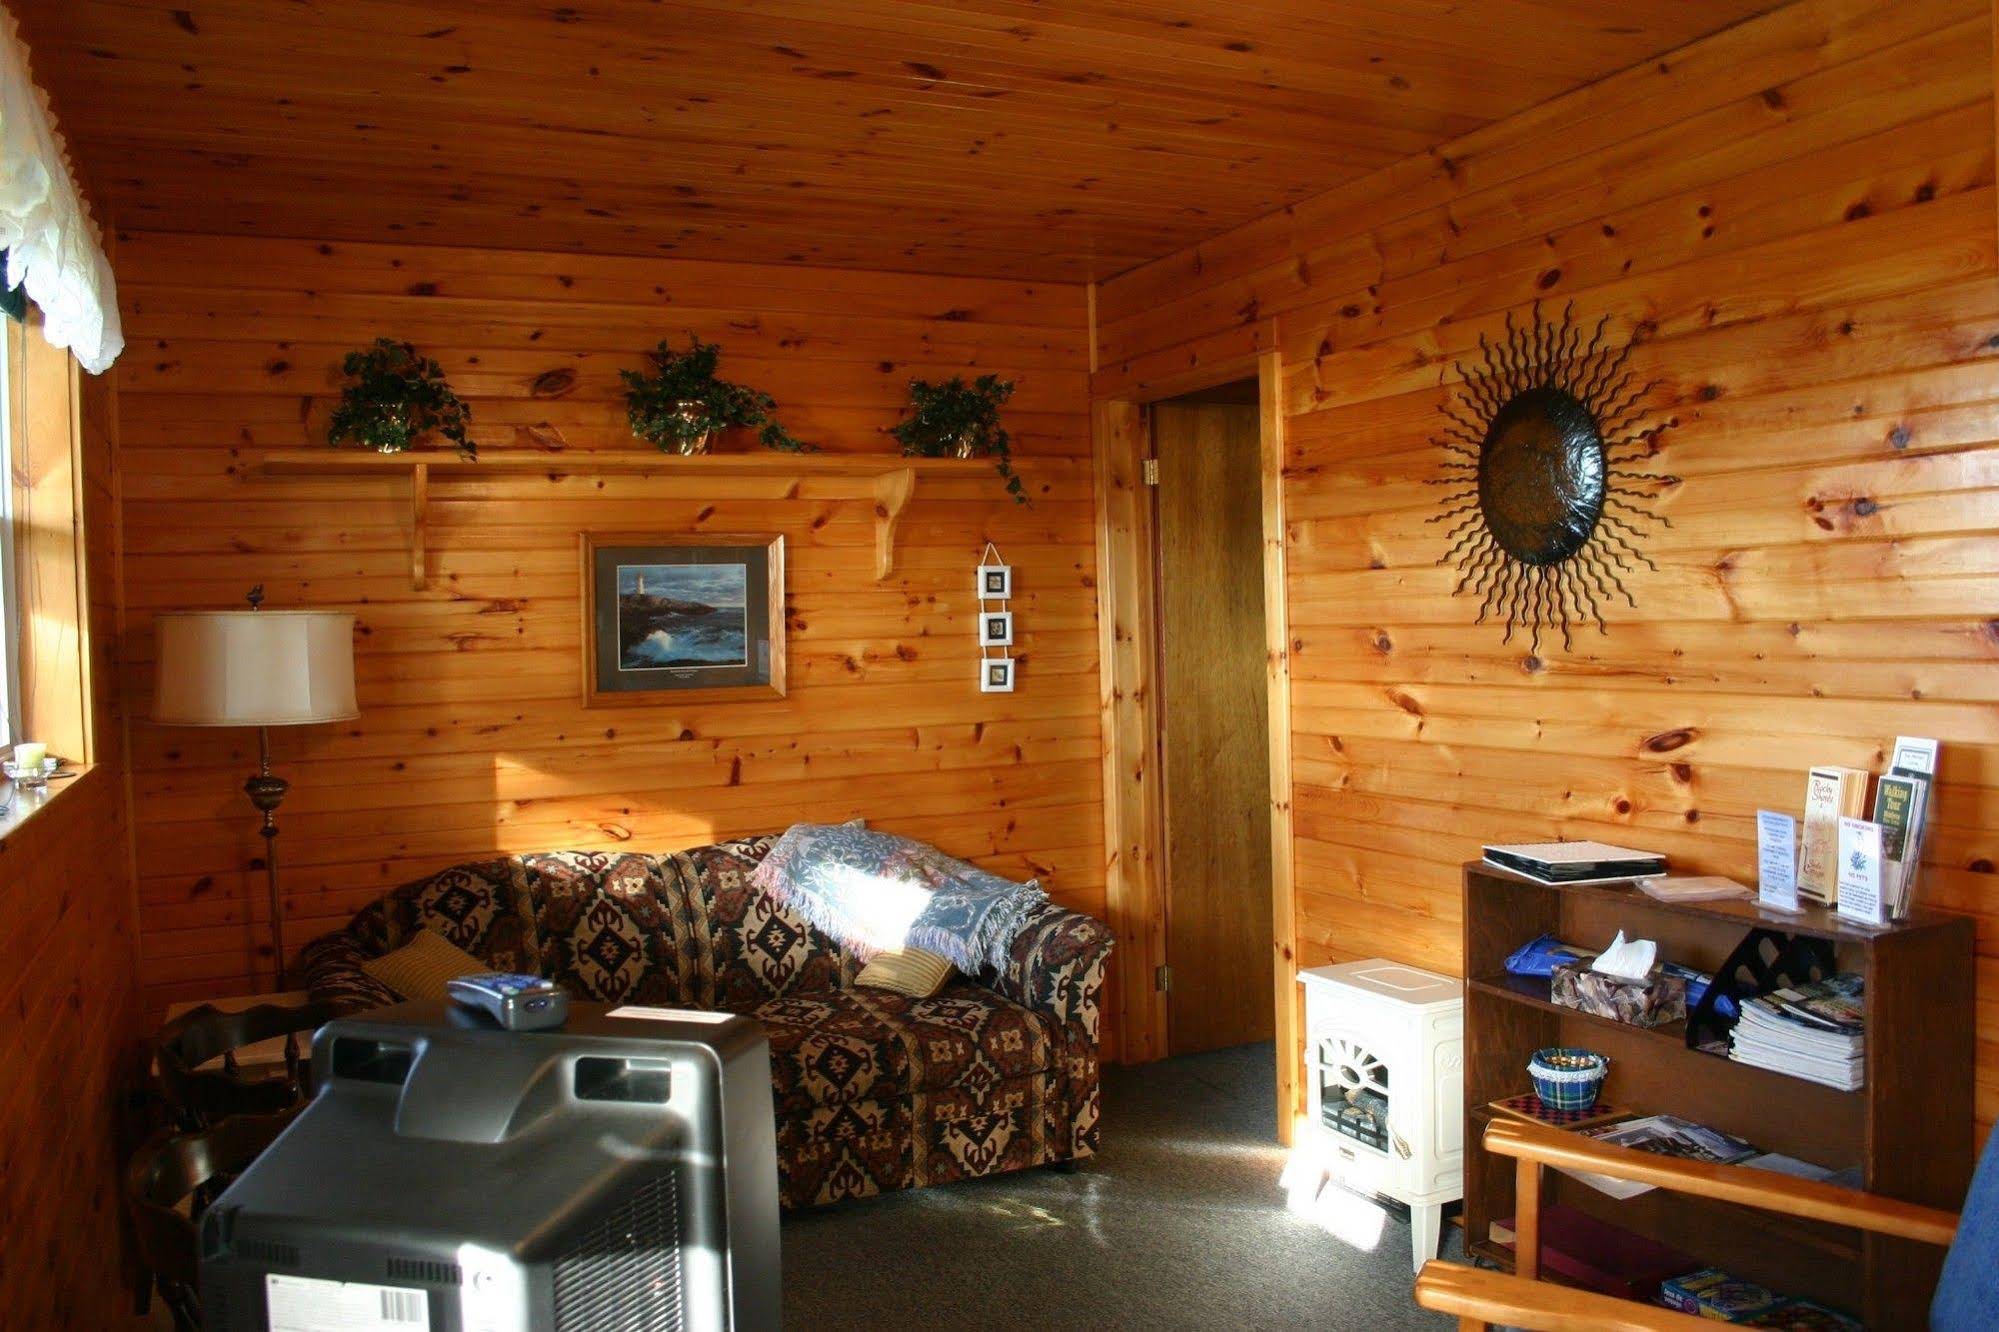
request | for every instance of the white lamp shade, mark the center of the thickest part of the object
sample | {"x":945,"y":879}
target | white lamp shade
{"x":254,"y":668}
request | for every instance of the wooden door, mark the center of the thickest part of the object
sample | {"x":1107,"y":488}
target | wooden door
{"x":1214,"y":725}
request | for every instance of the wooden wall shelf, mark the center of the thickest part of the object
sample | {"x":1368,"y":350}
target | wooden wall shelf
{"x":1909,"y":1128}
{"x":895,"y":478}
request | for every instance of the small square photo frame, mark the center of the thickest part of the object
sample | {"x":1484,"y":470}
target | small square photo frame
{"x":995,"y":628}
{"x":996,"y":675}
{"x":995,"y":582}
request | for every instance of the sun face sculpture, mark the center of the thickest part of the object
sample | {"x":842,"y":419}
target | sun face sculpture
{"x":1544,"y":506}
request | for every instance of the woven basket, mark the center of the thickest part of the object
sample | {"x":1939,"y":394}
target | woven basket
{"x":1566,"y":1078}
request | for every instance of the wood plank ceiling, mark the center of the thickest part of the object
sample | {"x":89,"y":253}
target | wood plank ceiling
{"x":1040,"y":139}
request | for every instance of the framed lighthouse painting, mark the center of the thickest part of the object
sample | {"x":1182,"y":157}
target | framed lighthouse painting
{"x":681,"y":618}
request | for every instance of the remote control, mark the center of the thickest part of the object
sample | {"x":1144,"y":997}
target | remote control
{"x":515,"y":1002}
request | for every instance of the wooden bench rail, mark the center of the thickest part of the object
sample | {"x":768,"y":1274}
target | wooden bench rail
{"x":1536,"y":1145}
{"x":1481,"y":1299}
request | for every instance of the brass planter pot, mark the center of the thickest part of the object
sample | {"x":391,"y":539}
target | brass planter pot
{"x":689,"y":445}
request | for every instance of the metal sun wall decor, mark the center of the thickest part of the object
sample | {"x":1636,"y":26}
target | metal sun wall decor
{"x":1545,"y":507}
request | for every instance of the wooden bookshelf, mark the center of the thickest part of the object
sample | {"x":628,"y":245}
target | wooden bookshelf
{"x":1909,"y":1128}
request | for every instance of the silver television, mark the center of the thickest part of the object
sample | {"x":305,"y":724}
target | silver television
{"x":617,"y":1174}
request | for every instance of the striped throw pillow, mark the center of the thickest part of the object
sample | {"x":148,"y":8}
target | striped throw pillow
{"x":915,"y":972}
{"x":420,"y":967}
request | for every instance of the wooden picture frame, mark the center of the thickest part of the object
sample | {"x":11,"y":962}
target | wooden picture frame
{"x":720,"y":601}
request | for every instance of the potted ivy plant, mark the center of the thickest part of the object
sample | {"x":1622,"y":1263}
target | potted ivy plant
{"x":679,"y":404}
{"x":394,"y":397}
{"x":959,"y":420}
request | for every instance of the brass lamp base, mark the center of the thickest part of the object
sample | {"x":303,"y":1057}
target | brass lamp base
{"x":266,"y":790}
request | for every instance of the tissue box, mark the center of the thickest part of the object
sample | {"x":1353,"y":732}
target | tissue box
{"x":1653,"y":1002}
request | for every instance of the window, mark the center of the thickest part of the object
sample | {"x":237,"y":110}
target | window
{"x":42,"y":580}
{"x":10,"y":610}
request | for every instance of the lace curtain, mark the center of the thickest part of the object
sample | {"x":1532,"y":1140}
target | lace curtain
{"x":52,"y":245}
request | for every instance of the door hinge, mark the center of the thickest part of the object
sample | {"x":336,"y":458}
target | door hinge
{"x":1162,"y":979}
{"x":1149,"y":471}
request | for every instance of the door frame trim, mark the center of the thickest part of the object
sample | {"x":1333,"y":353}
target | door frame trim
{"x":1128,"y":655}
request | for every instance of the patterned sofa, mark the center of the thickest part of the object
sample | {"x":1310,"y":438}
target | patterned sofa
{"x":874,"y":1091}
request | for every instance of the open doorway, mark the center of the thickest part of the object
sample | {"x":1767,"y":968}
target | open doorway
{"x":1213,"y":717}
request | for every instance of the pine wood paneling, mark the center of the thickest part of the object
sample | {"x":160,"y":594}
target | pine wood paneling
{"x":1795,"y":217}
{"x":471,"y":739}
{"x":68,"y":984}
{"x":1133,"y":819}
{"x":1001,"y":137}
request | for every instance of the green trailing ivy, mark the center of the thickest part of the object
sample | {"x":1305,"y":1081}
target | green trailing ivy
{"x":394,"y":397}
{"x":956,"y":419}
{"x":653,"y":401}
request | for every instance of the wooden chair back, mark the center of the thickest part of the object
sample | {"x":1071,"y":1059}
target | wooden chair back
{"x":167,"y":1186}
{"x":200,"y":1097}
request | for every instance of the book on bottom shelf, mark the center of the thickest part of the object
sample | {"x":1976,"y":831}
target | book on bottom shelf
{"x":1599,"y":1256}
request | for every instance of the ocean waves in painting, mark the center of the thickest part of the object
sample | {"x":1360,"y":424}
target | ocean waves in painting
{"x":714,"y":639}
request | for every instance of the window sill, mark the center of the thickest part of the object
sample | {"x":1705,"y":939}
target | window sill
{"x":24,"y":807}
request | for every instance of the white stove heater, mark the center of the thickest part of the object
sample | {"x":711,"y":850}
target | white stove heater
{"x":1384,"y":1089}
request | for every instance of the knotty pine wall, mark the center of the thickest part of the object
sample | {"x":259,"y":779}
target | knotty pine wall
{"x":1797,"y":218}
{"x":68,"y":988}
{"x":471,"y":738}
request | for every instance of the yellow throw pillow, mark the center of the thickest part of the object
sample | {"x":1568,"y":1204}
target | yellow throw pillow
{"x":911,"y":971}
{"x":420,"y":967}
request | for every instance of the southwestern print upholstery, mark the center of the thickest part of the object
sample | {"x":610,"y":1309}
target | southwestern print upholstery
{"x":874,"y":1090}
{"x":744,"y":945}
{"x":603,"y":925}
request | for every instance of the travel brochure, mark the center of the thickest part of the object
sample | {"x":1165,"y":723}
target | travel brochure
{"x":1777,"y":861}
{"x":1865,"y":868}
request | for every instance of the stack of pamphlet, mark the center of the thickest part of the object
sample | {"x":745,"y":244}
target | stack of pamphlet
{"x":1815,"y":1031}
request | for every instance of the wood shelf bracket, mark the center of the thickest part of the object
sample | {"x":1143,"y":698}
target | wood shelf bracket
{"x":893,"y":491}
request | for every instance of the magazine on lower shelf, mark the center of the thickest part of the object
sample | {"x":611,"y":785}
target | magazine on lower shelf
{"x":1664,"y":1135}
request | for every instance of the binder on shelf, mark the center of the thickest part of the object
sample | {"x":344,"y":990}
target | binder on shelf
{"x":1576,"y":862}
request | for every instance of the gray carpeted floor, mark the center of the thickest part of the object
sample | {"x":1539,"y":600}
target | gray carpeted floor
{"x":1178,"y":1223}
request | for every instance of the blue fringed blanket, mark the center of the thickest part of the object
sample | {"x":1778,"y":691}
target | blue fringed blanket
{"x":877,"y":891}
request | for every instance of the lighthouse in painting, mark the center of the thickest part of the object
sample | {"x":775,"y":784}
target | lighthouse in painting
{"x":682,"y":615}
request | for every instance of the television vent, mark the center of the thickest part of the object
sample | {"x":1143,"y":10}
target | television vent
{"x":622,"y":1274}
{"x":268,"y":1252}
{"x":425,"y":1271}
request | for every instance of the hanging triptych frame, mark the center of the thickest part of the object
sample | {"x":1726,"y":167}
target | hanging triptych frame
{"x":995,"y":626}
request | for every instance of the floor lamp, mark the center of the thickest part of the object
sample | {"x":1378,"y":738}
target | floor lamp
{"x":256,"y":668}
